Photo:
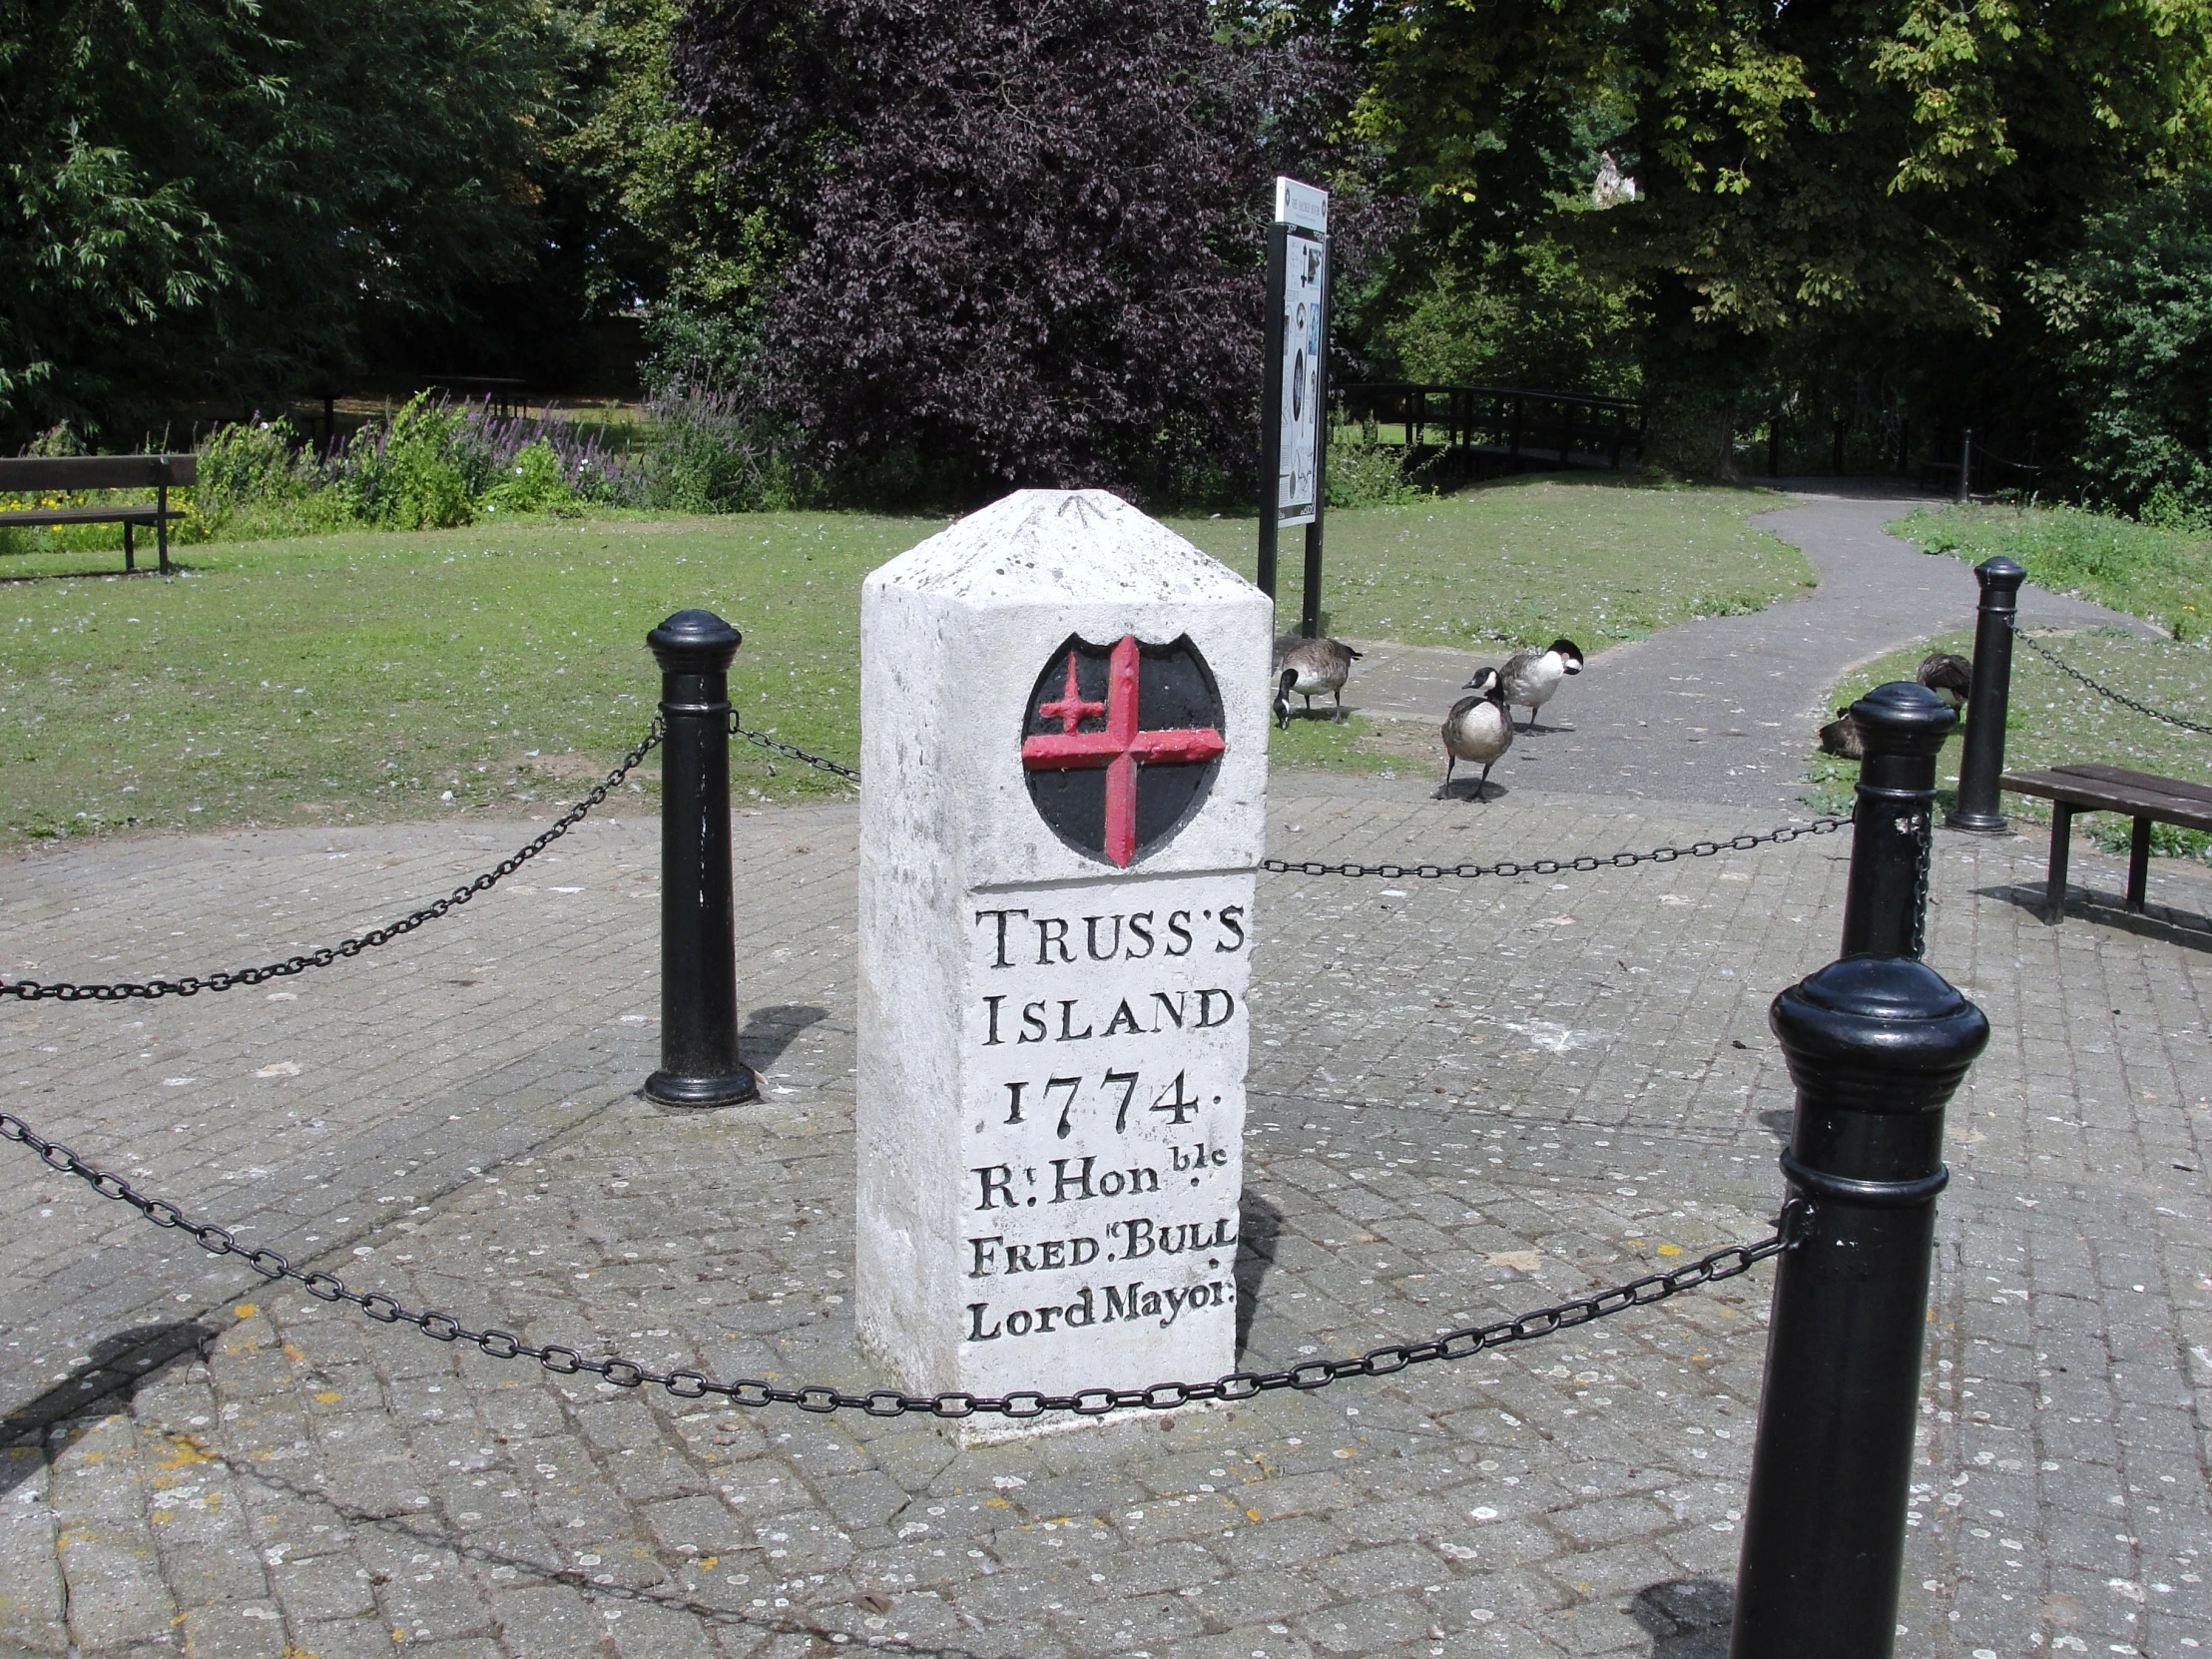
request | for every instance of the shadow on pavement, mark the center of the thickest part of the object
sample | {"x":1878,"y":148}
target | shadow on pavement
{"x":2158,"y":921}
{"x":1688,"y":1618}
{"x":769,"y":1031}
{"x":116,"y":1366}
{"x":1258,"y":1224}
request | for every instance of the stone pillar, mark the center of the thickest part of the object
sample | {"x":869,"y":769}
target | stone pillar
{"x":1064,"y":711}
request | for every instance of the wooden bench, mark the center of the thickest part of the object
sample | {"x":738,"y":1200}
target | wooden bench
{"x":100,"y":472}
{"x":2142,"y":796}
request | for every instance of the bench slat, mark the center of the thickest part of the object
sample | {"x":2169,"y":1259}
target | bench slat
{"x":86,"y":515}
{"x":2138,"y":780}
{"x":2092,"y":795}
{"x":96,"y":472}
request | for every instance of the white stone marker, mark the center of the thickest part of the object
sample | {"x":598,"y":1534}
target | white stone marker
{"x":1063,"y":728}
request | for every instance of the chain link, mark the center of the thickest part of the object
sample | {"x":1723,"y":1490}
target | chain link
{"x":2060,"y":662}
{"x":1558,"y":866}
{"x":1726,"y":1263}
{"x":1926,"y":836}
{"x":31,"y":990}
{"x":738,"y":729}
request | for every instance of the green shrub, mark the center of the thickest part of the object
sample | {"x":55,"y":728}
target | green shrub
{"x":252,"y":464}
{"x":1365,"y":473}
{"x":419,"y":472}
{"x":533,"y":483}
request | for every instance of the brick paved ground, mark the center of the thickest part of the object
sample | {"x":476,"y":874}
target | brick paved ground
{"x":1468,"y":1099}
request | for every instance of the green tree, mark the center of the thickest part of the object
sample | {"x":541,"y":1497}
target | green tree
{"x":2131,"y":315}
{"x":1881,"y":169}
{"x":679,"y":234}
{"x":212,"y":196}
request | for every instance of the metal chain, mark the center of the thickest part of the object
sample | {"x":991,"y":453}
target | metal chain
{"x":1927,"y":838}
{"x":31,"y":990}
{"x":2060,"y":662}
{"x":1725,"y":1263}
{"x":738,"y":729}
{"x":1556,"y":867}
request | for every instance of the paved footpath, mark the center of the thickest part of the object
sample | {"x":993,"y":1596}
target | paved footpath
{"x":1724,"y":708}
{"x":1469,"y":1098}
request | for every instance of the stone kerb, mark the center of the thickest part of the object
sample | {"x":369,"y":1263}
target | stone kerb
{"x":1064,"y":722}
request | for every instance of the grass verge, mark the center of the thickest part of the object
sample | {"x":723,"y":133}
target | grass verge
{"x":2163,"y":576}
{"x":500,"y":669}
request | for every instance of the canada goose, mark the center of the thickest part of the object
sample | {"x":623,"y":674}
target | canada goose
{"x":1480,"y":728}
{"x":1840,"y":737}
{"x":1308,"y":667}
{"x":1531,"y":675}
{"x":1949,"y":675}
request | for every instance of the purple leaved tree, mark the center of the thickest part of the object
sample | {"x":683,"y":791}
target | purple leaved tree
{"x":1023,"y":236}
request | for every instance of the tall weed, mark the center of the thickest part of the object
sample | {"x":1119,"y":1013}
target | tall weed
{"x":707,"y":456}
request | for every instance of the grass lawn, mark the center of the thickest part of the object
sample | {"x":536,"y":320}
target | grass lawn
{"x":1524,"y":561}
{"x":2053,"y":721}
{"x":496,"y":671}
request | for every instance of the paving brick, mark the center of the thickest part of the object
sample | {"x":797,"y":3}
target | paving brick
{"x":493,"y":1126}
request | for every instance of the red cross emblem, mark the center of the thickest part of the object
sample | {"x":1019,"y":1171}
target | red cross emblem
{"x":1119,"y":743}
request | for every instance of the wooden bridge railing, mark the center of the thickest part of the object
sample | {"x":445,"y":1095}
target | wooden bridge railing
{"x":1518,"y":425}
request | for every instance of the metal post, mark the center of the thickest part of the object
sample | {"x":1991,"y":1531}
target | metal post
{"x":1271,"y":406}
{"x":1982,"y":764}
{"x":699,"y":961}
{"x":1965,"y":462}
{"x":1902,"y":726}
{"x":1876,"y":1045}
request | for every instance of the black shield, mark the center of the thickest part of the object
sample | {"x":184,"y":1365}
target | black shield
{"x":1176,"y":691}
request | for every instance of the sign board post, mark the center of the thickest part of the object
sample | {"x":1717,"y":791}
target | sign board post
{"x":1064,"y":713}
{"x":1294,"y":425}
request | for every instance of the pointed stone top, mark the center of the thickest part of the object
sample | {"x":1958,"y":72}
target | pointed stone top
{"x":1051,"y":546}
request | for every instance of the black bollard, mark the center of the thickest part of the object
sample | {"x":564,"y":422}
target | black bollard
{"x":1876,"y":1046}
{"x":1902,"y":726}
{"x":698,"y":963}
{"x":1988,"y":697}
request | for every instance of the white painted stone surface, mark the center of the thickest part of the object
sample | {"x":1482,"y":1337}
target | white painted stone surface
{"x":1052,"y":1050}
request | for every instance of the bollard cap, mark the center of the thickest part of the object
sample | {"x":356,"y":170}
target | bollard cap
{"x":694,"y":642}
{"x":1903,"y":717}
{"x":2000,"y":575}
{"x":1877,"y":1034}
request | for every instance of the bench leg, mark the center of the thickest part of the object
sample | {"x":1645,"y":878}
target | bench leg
{"x":160,"y":525}
{"x":2138,"y":865}
{"x":130,"y":554}
{"x":2061,"y":845}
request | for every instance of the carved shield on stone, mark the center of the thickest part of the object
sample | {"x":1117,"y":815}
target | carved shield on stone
{"x":1121,"y":742}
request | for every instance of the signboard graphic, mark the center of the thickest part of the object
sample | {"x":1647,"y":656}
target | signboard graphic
{"x":1297,"y":471}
